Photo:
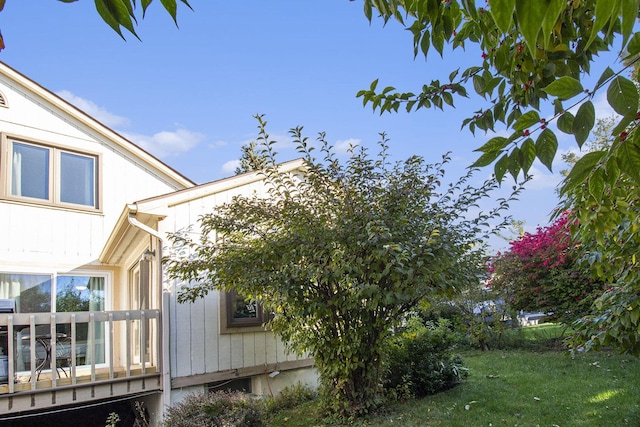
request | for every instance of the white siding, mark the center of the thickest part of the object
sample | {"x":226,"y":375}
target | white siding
{"x":195,"y":326}
{"x":48,"y":237}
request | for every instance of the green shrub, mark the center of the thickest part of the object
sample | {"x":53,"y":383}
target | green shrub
{"x":290,"y":397}
{"x":421,"y":360}
{"x":220,"y":409}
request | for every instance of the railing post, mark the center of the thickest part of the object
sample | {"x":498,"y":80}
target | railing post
{"x":92,"y":341}
{"x":11,"y":357}
{"x":73,"y":349}
{"x":53,"y":350}
{"x":110,"y":354}
{"x":127,"y":317}
{"x":143,"y":340}
{"x":32,"y":350}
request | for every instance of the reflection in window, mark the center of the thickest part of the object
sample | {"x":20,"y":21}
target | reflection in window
{"x":82,"y":293}
{"x":32,"y":292}
{"x":242,"y":312}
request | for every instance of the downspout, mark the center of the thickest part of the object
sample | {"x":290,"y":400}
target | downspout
{"x":164,"y":315}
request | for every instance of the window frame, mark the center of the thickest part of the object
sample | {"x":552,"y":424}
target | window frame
{"x":229,"y":325}
{"x":54,"y":177}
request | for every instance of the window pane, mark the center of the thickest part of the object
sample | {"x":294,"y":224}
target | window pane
{"x":77,"y":179}
{"x":30,"y":171}
{"x":83,"y":293}
{"x":243,"y":309}
{"x":32,"y":292}
{"x":79,"y":293}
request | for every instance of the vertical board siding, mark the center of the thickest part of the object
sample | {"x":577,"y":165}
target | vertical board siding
{"x":211,"y":324}
{"x":198,"y":328}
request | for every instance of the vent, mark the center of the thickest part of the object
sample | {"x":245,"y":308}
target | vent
{"x":3,"y":100}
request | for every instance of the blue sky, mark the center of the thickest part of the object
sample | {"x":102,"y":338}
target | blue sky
{"x":188,"y":94}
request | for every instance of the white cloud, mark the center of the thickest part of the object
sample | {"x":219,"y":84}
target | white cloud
{"x":602,"y":107}
{"x":543,"y":179}
{"x":91,"y":108}
{"x":165,"y":144}
{"x":343,"y":146}
{"x":230,"y":166}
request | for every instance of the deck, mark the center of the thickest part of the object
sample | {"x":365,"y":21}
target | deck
{"x":92,"y":356}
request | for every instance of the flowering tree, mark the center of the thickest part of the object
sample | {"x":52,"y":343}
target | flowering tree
{"x":540,"y":272}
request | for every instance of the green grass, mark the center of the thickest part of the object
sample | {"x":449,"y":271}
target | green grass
{"x":517,"y":388}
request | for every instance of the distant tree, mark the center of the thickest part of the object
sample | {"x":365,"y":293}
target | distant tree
{"x":251,"y":159}
{"x":340,"y":255}
{"x":541,"y":272}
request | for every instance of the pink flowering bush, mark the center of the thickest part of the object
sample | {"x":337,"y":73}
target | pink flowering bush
{"x":540,"y":272}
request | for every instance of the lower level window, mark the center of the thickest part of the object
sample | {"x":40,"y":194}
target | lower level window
{"x":236,"y":384}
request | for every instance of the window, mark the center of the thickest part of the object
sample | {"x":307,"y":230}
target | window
{"x":239,"y":314}
{"x":38,"y":293}
{"x":51,"y":175}
{"x":237,"y":384}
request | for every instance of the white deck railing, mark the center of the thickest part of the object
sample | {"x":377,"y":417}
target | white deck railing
{"x":78,"y":348}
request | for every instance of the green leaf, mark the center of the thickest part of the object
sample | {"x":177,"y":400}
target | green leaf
{"x":629,"y":12}
{"x":119,"y":11}
{"x":527,"y":154}
{"x":565,"y":123}
{"x":108,"y":17}
{"x":500,"y":167}
{"x":530,"y":14}
{"x":494,"y":144}
{"x":486,"y":159}
{"x":514,"y":163}
{"x":581,"y":170}
{"x":603,"y":11}
{"x":628,"y":156}
{"x":554,"y":9}
{"x":145,"y":5}
{"x":596,"y":184}
{"x":583,"y":122}
{"x":633,"y":48}
{"x":622,"y":95}
{"x":425,"y":43}
{"x":564,"y":88}
{"x":437,"y":38}
{"x":527,"y":119}
{"x":607,"y":74}
{"x":546,"y":148}
{"x":502,"y":11}
{"x":172,"y":7}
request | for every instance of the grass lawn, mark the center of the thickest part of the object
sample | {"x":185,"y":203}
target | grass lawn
{"x":518,"y":388}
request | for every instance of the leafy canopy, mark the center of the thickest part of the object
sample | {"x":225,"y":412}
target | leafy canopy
{"x":121,"y":14}
{"x":340,"y":253}
{"x":531,"y":54}
{"x":609,"y":218}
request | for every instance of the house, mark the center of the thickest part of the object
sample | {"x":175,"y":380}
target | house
{"x":87,"y":316}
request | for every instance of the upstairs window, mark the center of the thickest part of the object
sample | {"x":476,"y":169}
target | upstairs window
{"x":52,"y":175}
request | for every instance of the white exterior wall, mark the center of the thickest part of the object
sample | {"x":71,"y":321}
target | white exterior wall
{"x":196,"y":344}
{"x":63,"y":239}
